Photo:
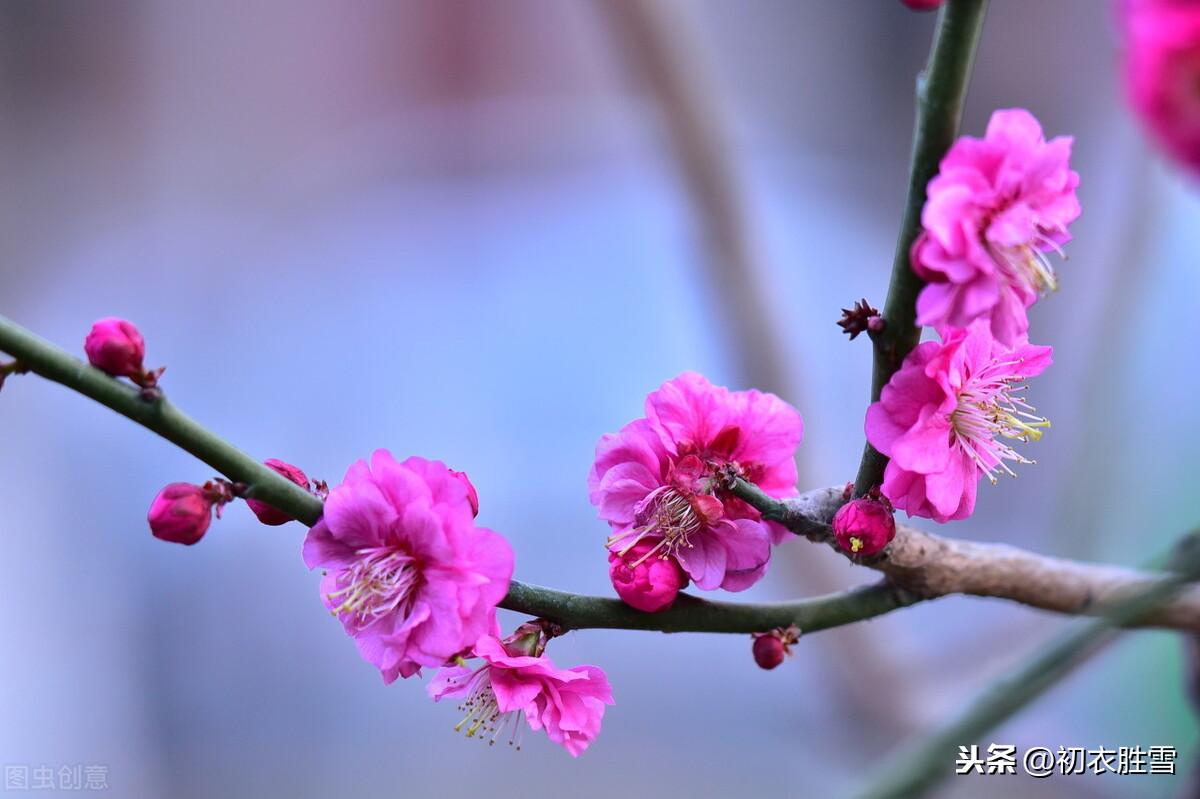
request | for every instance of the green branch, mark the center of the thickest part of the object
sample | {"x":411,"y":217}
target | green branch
{"x":941,"y":91}
{"x":692,"y":615}
{"x":159,"y":416}
{"x":571,"y":611}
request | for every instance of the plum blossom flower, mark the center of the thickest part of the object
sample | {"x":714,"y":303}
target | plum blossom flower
{"x":947,"y":416}
{"x":660,"y":479}
{"x":409,"y":575}
{"x":517,"y":683}
{"x":1162,"y":73}
{"x":995,"y":209}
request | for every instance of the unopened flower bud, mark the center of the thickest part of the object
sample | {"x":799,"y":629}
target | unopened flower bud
{"x":922,"y":5}
{"x":115,"y":346}
{"x":768,"y":651}
{"x":644,"y":579}
{"x":528,"y":640}
{"x":472,"y":495}
{"x":771,"y":647}
{"x":181,"y":513}
{"x":864,"y":526}
{"x":268,"y":514}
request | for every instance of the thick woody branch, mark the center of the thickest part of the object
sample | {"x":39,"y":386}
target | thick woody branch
{"x":933,"y":566}
{"x":941,"y":91}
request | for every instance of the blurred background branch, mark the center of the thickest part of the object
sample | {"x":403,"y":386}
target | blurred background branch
{"x":663,"y":48}
{"x":912,"y":772}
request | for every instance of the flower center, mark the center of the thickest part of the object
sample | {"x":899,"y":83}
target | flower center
{"x":484,"y":715}
{"x":383,"y":581}
{"x":1028,"y":264}
{"x":990,"y":409}
{"x":668,"y":514}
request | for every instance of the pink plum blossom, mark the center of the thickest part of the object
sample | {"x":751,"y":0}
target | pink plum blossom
{"x":273,"y":516}
{"x":946,"y":416}
{"x":997,"y":206}
{"x":1162,"y":73}
{"x":409,"y":575}
{"x":514,"y":685}
{"x":647,"y":583}
{"x":660,"y":479}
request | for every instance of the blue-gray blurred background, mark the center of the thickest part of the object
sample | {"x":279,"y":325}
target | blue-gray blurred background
{"x":482,"y":232}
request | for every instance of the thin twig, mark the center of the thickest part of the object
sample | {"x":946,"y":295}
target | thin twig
{"x":690,"y":614}
{"x":569,"y":610}
{"x":941,"y":91}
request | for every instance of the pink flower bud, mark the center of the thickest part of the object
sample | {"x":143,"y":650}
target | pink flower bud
{"x":645,"y":580}
{"x":864,"y":526}
{"x":771,"y":647}
{"x":181,"y":513}
{"x":273,"y":516}
{"x":768,"y":651}
{"x":923,"y":5}
{"x":472,"y":495}
{"x":115,"y":346}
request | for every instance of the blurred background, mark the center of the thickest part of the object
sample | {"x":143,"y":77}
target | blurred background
{"x":482,"y":232}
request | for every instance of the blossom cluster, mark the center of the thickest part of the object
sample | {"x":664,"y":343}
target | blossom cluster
{"x":956,"y":407}
{"x":661,"y":483}
{"x":406,"y":570}
{"x":416,"y":582}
